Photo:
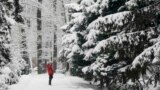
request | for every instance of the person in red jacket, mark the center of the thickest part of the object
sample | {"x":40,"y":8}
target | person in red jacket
{"x":50,"y":71}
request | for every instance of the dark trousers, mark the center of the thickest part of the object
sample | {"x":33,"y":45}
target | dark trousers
{"x":50,"y":79}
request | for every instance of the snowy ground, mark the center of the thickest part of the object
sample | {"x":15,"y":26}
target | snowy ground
{"x":59,"y":82}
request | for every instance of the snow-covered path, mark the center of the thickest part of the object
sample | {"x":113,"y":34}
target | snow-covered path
{"x":59,"y":82}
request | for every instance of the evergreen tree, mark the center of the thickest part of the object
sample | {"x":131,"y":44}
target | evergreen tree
{"x":118,"y":40}
{"x":10,"y":66}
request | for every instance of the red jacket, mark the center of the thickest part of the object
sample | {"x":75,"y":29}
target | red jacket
{"x":50,"y":69}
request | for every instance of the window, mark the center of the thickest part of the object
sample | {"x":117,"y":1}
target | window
{"x":22,"y":30}
{"x":39,"y":22}
{"x":40,"y":1}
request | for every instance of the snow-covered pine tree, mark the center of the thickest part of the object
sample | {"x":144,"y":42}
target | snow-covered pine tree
{"x":119,"y":38}
{"x":117,"y":54}
{"x":9,"y":65}
{"x":74,"y":38}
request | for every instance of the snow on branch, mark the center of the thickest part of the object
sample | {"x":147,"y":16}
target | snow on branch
{"x":119,"y":40}
{"x":78,"y":18}
{"x":146,"y":55}
{"x":88,"y":54}
{"x":69,"y":38}
{"x":91,"y":38}
{"x":73,"y":7}
{"x":75,"y":49}
{"x":87,"y":2}
{"x":10,"y":20}
{"x":93,"y":9}
{"x":114,"y":20}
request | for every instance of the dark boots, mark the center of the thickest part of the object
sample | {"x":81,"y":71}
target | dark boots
{"x":50,"y":79}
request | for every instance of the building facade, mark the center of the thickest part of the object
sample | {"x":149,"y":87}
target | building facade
{"x":41,"y":29}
